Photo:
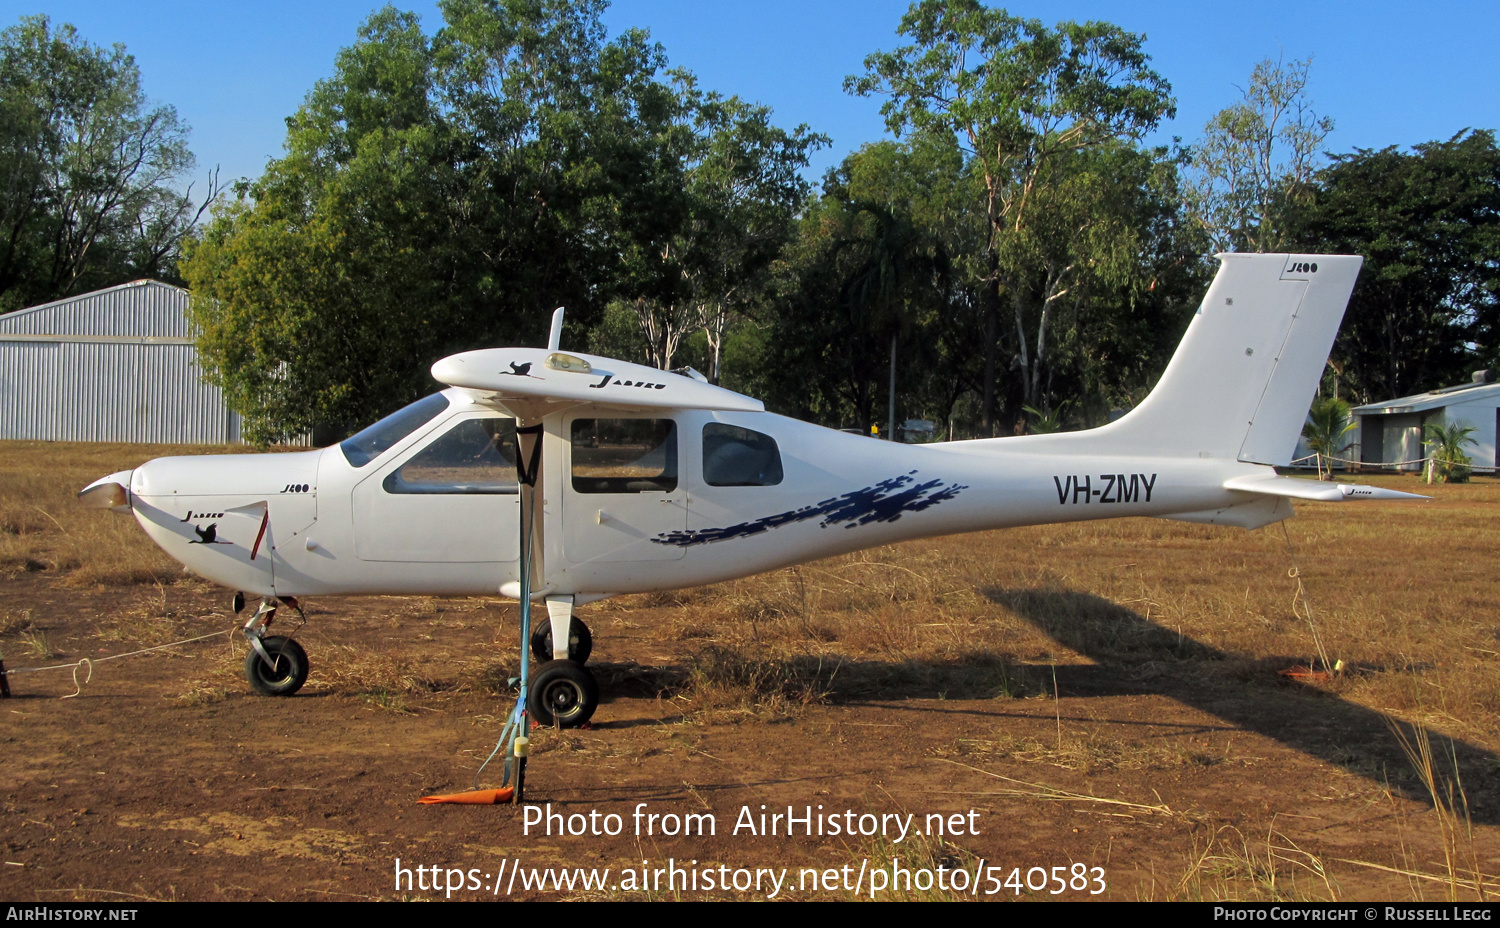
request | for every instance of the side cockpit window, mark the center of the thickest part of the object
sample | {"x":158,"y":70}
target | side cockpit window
{"x":736,"y":457}
{"x":369,"y":444}
{"x":474,"y":456}
{"x":624,"y":455}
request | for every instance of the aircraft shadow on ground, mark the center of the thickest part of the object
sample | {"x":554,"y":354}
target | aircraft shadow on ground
{"x":1135,"y":656}
{"x":721,"y":672}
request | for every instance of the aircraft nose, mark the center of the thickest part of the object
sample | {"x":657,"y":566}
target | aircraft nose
{"x":112,"y":492}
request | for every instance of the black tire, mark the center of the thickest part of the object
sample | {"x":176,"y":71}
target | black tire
{"x":562,"y":693}
{"x":580,"y":642}
{"x":290,"y":670}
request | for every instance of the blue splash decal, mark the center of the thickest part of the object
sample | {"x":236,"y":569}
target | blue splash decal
{"x":886,"y":501}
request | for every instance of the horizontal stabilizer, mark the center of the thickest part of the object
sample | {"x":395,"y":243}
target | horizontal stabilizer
{"x":1322,"y":491}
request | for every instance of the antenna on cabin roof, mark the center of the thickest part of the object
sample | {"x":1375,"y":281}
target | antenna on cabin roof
{"x":555,"y":336}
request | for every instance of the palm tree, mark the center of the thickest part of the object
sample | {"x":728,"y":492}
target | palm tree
{"x":1328,"y":422}
{"x":1044,"y":423}
{"x":1445,"y":452}
{"x":900,"y":263}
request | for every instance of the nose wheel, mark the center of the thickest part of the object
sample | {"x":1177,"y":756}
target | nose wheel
{"x":281,"y":672}
{"x":276,"y":665}
{"x":562,"y":693}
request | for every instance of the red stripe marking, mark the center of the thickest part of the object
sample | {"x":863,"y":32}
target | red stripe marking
{"x":264,"y":520}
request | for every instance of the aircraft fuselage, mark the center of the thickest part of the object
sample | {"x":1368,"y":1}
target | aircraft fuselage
{"x":315,"y":523}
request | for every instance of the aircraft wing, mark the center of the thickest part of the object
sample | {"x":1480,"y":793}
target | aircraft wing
{"x":539,"y":374}
{"x":1271,"y":485}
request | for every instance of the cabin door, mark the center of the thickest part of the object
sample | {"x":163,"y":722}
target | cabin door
{"x":624,"y":491}
{"x":450,"y":499}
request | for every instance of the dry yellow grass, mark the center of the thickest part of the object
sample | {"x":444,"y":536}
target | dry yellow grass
{"x":43,"y":529}
{"x":1228,"y":866}
{"x":1402,"y":593}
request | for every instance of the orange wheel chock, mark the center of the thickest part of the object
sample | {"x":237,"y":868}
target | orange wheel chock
{"x":479,"y":797}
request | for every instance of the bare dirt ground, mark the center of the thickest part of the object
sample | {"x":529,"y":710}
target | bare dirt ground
{"x":1085,"y":710}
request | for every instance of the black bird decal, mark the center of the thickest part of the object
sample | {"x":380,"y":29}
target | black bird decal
{"x":209,"y":536}
{"x":518,"y":370}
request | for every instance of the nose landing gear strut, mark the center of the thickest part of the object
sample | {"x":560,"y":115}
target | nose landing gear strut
{"x":276,"y":665}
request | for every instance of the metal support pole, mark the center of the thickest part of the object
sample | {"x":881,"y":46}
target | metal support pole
{"x":528,"y":469}
{"x":890,"y":429}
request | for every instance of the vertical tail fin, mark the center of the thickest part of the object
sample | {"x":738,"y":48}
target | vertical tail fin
{"x":1246,"y":372}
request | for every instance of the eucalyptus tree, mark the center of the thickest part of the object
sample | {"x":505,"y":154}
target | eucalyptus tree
{"x":90,"y":173}
{"x":737,"y":193}
{"x":1018,"y":97}
{"x":1254,"y":166}
{"x":1098,"y":261}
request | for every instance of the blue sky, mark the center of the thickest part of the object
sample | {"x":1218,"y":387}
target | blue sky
{"x":1388,"y":73}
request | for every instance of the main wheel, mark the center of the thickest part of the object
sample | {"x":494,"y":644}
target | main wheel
{"x":562,"y":693}
{"x":580,"y":642}
{"x":289,"y":670}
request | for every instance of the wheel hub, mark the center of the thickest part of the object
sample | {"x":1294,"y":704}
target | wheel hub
{"x":562,"y":698}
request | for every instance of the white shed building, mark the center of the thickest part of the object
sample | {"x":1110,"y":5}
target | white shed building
{"x":114,"y":365}
{"x":1392,"y":432}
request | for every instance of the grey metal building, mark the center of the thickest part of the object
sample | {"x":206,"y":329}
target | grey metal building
{"x":1391,"y":433}
{"x":117,"y":364}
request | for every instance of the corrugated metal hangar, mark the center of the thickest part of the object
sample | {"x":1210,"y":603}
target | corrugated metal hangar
{"x":114,"y":365}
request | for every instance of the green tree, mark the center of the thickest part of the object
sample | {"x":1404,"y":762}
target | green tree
{"x":1093,"y":264}
{"x":89,"y":173}
{"x":1446,"y":460}
{"x":869,"y":270}
{"x":1255,"y":164}
{"x":1328,"y":422}
{"x":1018,"y":96}
{"x":738,"y":194}
{"x":749,"y":189}
{"x":1426,"y":309}
{"x":1121,"y":259}
{"x":899,"y":270}
{"x":445,"y":193}
{"x":927,"y":195}
{"x":316,"y":291}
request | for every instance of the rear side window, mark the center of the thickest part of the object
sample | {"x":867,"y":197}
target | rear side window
{"x":366,"y":446}
{"x":624,"y":455}
{"x":736,"y":457}
{"x":475,"y":456}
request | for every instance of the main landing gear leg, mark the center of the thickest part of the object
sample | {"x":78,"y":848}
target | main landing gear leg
{"x":560,"y":621}
{"x":563,"y":692}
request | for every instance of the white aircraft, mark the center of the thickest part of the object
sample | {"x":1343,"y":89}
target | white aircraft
{"x":646,"y":480}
